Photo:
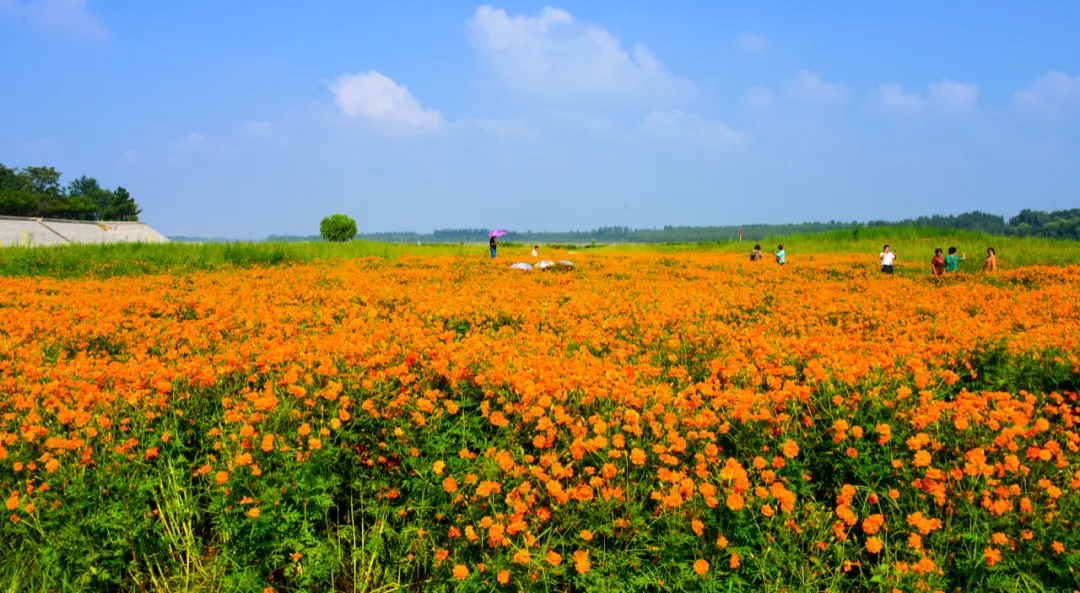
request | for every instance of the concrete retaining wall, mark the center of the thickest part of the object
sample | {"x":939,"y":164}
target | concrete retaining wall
{"x":44,"y":231}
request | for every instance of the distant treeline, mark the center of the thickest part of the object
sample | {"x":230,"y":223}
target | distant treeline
{"x":37,"y":192}
{"x":1061,"y":224}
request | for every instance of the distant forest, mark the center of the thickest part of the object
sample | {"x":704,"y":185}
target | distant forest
{"x":1061,"y":224}
{"x":37,"y":192}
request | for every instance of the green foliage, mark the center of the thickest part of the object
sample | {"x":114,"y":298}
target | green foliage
{"x":1058,"y":225}
{"x":1063,"y":224}
{"x":337,"y":228}
{"x":36,"y":192}
{"x":128,"y":259}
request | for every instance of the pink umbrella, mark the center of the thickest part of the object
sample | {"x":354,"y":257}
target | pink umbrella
{"x":497,"y":233}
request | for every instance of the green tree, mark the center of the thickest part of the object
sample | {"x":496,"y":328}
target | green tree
{"x":9,"y":178}
{"x":68,"y":207}
{"x":16,"y":202}
{"x":41,"y":180}
{"x":121,"y":206}
{"x":88,"y":187}
{"x":338,"y":228}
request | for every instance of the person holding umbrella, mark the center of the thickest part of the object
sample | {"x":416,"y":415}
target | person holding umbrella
{"x":491,"y":240}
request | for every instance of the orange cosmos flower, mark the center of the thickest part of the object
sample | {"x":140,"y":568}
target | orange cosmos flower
{"x":450,"y":484}
{"x":701,"y":566}
{"x":873,"y":545}
{"x":503,"y":577}
{"x":873,"y":523}
{"x":735,"y":501}
{"x":581,"y":561}
{"x":461,"y":572}
{"x":914,"y":541}
{"x":791,"y":449}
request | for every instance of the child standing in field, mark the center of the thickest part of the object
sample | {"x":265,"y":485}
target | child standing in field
{"x":534,"y":251}
{"x":756,"y":254}
{"x":937,"y":264}
{"x":491,"y":244}
{"x":780,"y":255}
{"x":990,"y":264}
{"x":887,"y":256}
{"x":952,"y":261}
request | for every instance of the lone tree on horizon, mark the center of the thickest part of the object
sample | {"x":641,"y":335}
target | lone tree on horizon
{"x":337,"y":228}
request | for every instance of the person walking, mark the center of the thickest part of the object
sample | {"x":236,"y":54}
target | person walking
{"x":781,"y":257}
{"x":491,"y":244}
{"x":888,"y":256}
{"x":952,"y":261}
{"x":990,"y":263}
{"x":756,"y":254}
{"x":937,"y":265}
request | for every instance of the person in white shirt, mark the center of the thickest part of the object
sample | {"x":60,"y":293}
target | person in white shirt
{"x":887,"y":257}
{"x":534,"y":252}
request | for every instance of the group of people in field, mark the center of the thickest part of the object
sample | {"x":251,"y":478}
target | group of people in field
{"x":940,"y":264}
{"x":780,"y":255}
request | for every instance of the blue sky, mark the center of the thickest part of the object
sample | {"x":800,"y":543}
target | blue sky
{"x":246,"y":118}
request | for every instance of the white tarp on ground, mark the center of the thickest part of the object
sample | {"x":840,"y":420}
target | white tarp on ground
{"x":44,"y":231}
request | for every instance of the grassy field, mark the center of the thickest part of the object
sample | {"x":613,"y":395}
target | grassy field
{"x":915,"y":246}
{"x":367,"y":417}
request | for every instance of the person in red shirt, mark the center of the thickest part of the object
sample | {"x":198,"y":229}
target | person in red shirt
{"x":938,"y":263}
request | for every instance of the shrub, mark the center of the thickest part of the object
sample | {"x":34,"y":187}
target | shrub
{"x":338,"y":228}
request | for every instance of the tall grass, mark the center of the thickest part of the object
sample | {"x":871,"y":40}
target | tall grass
{"x":911,"y":244}
{"x":131,"y":259}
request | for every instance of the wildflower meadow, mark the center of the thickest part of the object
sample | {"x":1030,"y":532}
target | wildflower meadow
{"x":645,"y":421}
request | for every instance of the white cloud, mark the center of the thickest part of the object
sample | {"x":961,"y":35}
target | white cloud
{"x":955,"y":95}
{"x":555,"y":57}
{"x":682,"y":126}
{"x":502,"y":128}
{"x":758,"y":98}
{"x":752,"y":43}
{"x":257,"y":129}
{"x":70,"y":17}
{"x":945,"y":93}
{"x":189,"y":141}
{"x":129,"y":157}
{"x":377,"y":97}
{"x":893,"y":96}
{"x":1050,"y":92}
{"x":808,"y":86}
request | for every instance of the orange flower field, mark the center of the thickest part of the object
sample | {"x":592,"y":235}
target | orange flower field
{"x":641,"y":422}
